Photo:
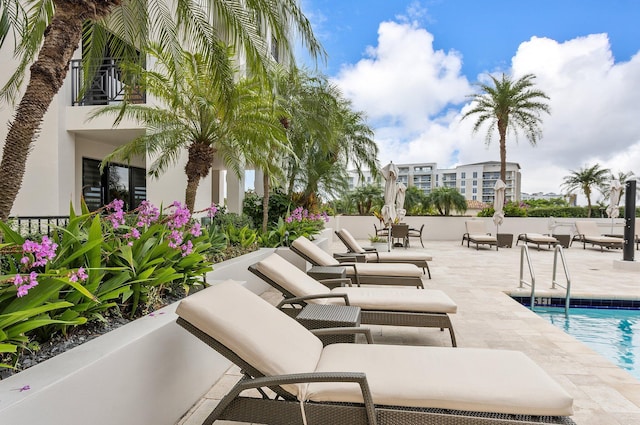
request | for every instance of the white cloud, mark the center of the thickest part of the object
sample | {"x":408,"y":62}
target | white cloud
{"x":414,"y":98}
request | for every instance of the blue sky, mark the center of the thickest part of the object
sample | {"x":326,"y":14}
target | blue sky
{"x":411,"y":64}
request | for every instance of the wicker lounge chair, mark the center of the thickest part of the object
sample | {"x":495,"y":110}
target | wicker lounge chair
{"x":360,"y":273}
{"x":371,"y":255}
{"x":588,"y":233}
{"x":537,"y":239}
{"x":379,"y":306}
{"x":477,"y":234}
{"x":353,"y":384}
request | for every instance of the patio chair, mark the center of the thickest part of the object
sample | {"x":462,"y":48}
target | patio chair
{"x":537,"y":239}
{"x":477,"y":234}
{"x":416,"y":233}
{"x":371,"y":255}
{"x":588,"y":233}
{"x":400,"y":235}
{"x":360,"y":273}
{"x":383,"y":231}
{"x":300,"y":381}
{"x":379,"y":306}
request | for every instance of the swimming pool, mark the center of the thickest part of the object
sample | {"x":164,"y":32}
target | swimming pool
{"x":613,"y":333}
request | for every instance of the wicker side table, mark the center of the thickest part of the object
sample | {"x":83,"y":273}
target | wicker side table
{"x":326,"y":272}
{"x":317,"y":316}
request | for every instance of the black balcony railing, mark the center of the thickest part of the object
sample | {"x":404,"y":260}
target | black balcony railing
{"x":37,"y":225}
{"x":107,"y":85}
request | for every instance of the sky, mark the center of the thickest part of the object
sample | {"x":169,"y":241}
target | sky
{"x":411,"y":66}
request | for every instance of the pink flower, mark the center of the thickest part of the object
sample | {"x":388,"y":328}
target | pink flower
{"x":196,"y":230}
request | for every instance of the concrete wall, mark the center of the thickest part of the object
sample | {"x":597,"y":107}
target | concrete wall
{"x":149,"y":371}
{"x":452,"y":228}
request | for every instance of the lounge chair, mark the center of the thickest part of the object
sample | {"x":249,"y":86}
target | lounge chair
{"x":371,"y":255}
{"x":379,"y":306}
{"x":383,"y":231}
{"x":477,"y":234}
{"x":353,"y":384}
{"x":588,"y":233}
{"x":538,"y":239}
{"x":360,"y":273}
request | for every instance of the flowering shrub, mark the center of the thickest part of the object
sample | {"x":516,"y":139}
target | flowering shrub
{"x":299,"y":223}
{"x":95,"y":263}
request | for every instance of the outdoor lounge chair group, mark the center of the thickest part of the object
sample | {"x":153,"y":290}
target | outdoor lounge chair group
{"x":370,"y":255}
{"x":361,"y":273}
{"x":379,"y":306}
{"x":303,"y":382}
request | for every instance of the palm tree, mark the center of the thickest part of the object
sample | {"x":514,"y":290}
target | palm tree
{"x":205,"y":114}
{"x":326,"y":134}
{"x":415,"y":201}
{"x":585,"y":179}
{"x":49,"y":32}
{"x":509,"y":105}
{"x":445,"y":199}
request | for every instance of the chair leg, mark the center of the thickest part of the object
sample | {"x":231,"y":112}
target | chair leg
{"x":421,"y":243}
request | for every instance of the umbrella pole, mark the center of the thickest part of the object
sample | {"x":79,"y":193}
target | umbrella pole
{"x":389,"y":239}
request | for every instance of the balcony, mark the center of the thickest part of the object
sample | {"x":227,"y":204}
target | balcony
{"x":106,"y":88}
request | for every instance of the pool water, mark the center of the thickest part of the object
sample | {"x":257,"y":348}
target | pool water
{"x":613,"y":333}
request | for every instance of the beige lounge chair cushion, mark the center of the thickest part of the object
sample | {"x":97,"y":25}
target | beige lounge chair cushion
{"x":316,"y":254}
{"x":604,"y":239}
{"x":301,"y":284}
{"x":407,"y":300}
{"x":539,"y":238}
{"x":471,"y":379}
{"x":259,"y":333}
{"x":482,"y":238}
{"x":350,"y":241}
{"x":399,"y":257}
{"x":385,"y":269}
{"x":320,"y":257}
{"x":290,"y":277}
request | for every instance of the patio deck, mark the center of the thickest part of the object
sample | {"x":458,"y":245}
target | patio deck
{"x":478,"y":280}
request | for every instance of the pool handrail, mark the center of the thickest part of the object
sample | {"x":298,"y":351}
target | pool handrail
{"x":554,"y":283}
{"x":524,"y":253}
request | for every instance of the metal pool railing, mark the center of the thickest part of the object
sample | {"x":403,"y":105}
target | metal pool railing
{"x":524,"y":255}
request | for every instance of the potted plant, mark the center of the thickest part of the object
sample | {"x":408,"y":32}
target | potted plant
{"x":380,"y":244}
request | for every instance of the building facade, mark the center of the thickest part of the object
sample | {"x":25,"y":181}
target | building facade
{"x":474,"y":181}
{"x":63,"y":165}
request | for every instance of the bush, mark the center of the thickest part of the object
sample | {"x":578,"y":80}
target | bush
{"x":95,"y":263}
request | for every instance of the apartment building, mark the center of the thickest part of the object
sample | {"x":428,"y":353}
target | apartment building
{"x":474,"y":181}
{"x":63,"y":165}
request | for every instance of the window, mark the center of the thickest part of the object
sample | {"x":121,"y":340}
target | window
{"x":475,"y":174}
{"x":115,"y":182}
{"x":475,"y":182}
{"x":463,"y":190}
{"x":463,"y":175}
{"x":475,"y":190}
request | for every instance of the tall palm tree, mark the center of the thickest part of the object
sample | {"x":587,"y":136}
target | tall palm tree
{"x":586,"y":179}
{"x":208,"y":115}
{"x":509,"y":106}
{"x":49,"y":31}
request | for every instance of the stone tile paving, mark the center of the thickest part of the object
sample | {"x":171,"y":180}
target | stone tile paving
{"x":487,"y":317}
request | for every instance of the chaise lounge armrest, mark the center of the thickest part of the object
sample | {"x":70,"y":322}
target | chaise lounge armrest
{"x":353,"y":257}
{"x":301,"y":300}
{"x":340,"y":281}
{"x":247,"y":383}
{"x":344,"y":331}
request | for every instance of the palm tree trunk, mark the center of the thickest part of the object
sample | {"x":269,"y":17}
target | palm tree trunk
{"x":197,"y":168}
{"x":265,"y":201}
{"x":502,"y":130}
{"x":190,"y":192}
{"x":48,"y":72}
